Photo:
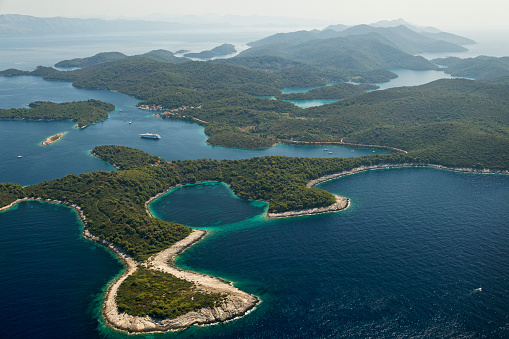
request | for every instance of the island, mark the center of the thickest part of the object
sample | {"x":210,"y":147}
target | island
{"x":219,"y":51}
{"x":113,"y":207}
{"x":454,"y":124}
{"x":83,"y":113}
{"x":52,"y":139}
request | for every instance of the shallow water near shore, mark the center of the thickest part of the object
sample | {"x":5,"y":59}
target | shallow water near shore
{"x":52,"y":278}
{"x":420,"y":252}
{"x":408,"y":257}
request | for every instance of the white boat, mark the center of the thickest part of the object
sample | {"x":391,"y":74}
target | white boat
{"x":150,"y":136}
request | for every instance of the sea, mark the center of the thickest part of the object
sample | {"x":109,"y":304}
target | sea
{"x":421,"y":252}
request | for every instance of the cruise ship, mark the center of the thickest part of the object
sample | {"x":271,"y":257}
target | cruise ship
{"x":150,"y":136}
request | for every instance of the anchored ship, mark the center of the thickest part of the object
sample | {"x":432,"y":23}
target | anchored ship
{"x":150,"y":136}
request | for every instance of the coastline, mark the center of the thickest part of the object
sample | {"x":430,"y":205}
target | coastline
{"x":341,"y":143}
{"x":341,"y":204}
{"x":360,"y":169}
{"x":236,"y":304}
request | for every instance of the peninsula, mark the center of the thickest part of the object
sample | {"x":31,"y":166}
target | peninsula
{"x":113,"y":208}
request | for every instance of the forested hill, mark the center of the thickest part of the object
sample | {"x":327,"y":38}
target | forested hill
{"x":460,"y":123}
{"x":363,"y":58}
{"x":114,"y":202}
{"x":159,"y":55}
{"x":400,"y":36}
{"x":83,"y":113}
{"x":481,"y":67}
{"x":144,"y":77}
{"x":222,"y":50}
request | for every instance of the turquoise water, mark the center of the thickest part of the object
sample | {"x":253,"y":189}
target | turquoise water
{"x":406,"y":259}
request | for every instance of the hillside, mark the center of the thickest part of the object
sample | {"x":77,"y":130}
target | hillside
{"x":223,"y":50}
{"x":481,"y":67}
{"x":83,"y":113}
{"x":403,"y":37}
{"x":455,"y":122}
{"x":363,"y":58}
{"x":158,"y":55}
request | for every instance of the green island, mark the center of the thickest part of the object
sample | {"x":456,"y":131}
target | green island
{"x":459,"y":124}
{"x":83,"y":113}
{"x":113,"y":207}
{"x":218,"y":51}
{"x":481,"y":67}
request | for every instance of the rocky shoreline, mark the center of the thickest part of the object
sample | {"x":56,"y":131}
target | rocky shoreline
{"x":341,"y":204}
{"x":236,"y":304}
{"x":52,"y":139}
{"x":360,"y":169}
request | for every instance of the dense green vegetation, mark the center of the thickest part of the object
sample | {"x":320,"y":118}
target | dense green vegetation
{"x":82,"y":112}
{"x":481,"y":67}
{"x":158,"y":55}
{"x":359,"y":58}
{"x":161,"y":296}
{"x":222,"y":50}
{"x":10,"y":192}
{"x":113,"y":202}
{"x":90,"y":61}
{"x":126,"y":158}
{"x":147,"y":78}
{"x":438,"y":120}
{"x":114,"y":206}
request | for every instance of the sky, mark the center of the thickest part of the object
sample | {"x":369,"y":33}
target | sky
{"x":444,"y":14}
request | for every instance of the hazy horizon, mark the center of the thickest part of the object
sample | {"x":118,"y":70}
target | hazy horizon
{"x":445,"y":15}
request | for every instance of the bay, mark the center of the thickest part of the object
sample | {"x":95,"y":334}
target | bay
{"x":52,"y":278}
{"x":180,"y":140}
{"x":407,"y":259}
{"x":421,"y":252}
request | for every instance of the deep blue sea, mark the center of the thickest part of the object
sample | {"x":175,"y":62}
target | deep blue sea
{"x":420,"y":253}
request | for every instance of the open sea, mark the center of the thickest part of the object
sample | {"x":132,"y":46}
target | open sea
{"x":420,"y":253}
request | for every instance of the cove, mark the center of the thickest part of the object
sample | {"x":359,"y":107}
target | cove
{"x":180,"y":140}
{"x":408,"y":257}
{"x":52,"y":278}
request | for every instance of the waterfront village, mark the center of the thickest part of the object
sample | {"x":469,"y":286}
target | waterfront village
{"x":168,"y":112}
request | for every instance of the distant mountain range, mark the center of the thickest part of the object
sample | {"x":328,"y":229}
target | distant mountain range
{"x":405,"y":37}
{"x":14,"y":24}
